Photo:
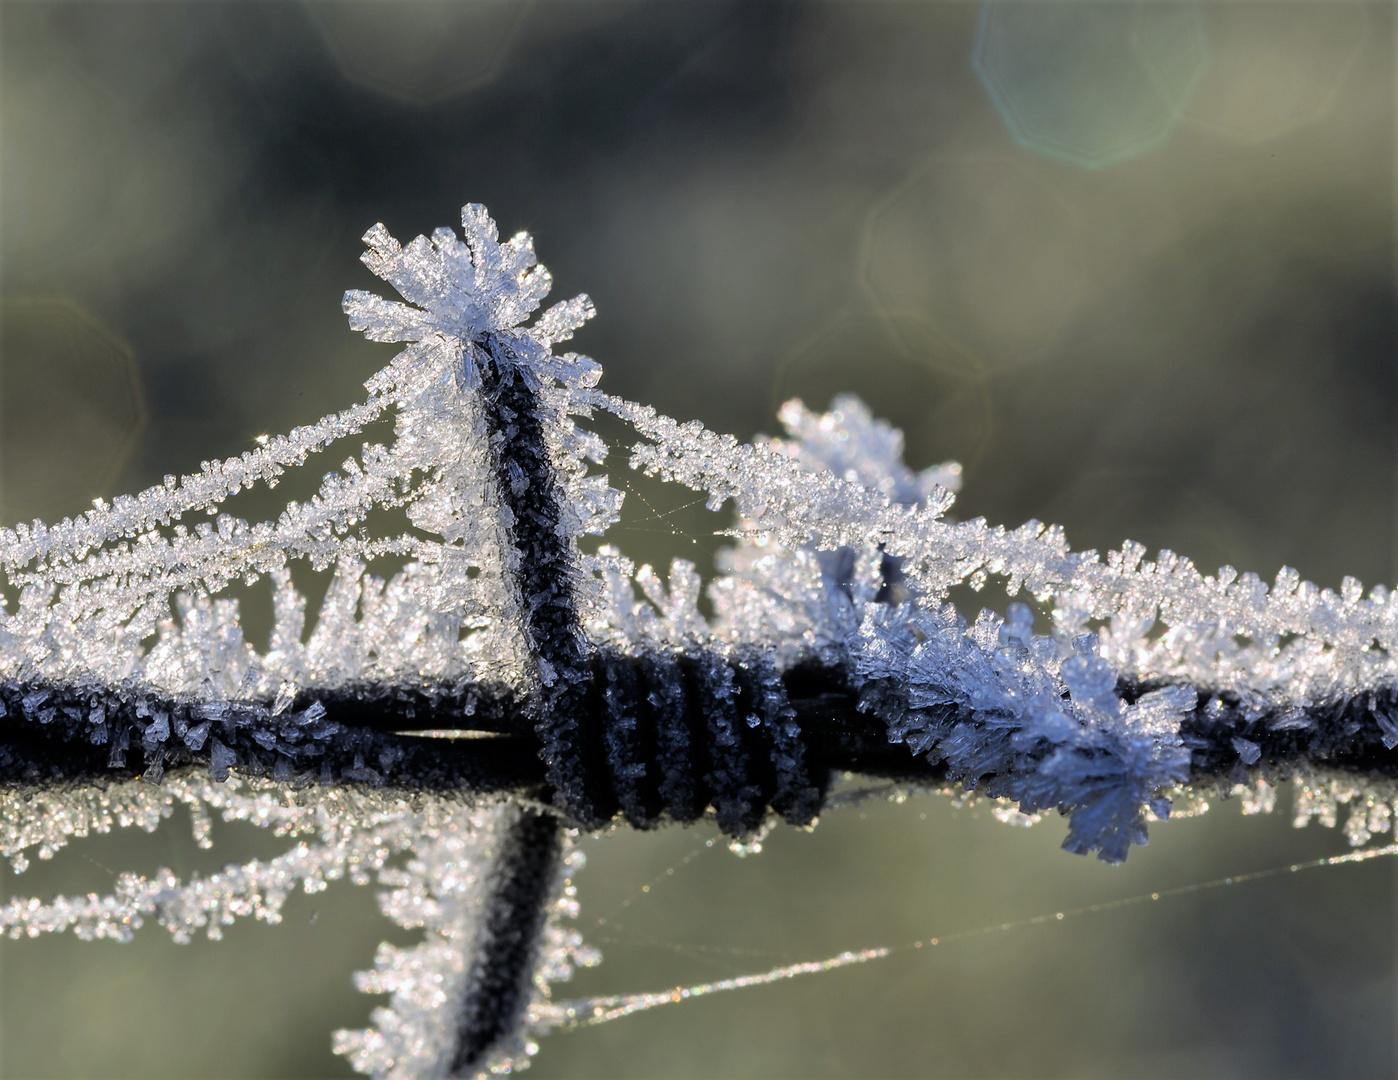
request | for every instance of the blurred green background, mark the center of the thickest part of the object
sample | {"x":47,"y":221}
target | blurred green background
{"x":1132,"y":264}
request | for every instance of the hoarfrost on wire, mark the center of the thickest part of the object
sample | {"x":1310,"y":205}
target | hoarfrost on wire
{"x":840,"y":554}
{"x":339,"y":833}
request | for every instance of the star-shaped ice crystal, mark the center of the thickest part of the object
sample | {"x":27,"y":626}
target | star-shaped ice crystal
{"x":460,"y":294}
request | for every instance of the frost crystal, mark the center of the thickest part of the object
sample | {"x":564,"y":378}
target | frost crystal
{"x":459,"y":587}
{"x":444,"y":889}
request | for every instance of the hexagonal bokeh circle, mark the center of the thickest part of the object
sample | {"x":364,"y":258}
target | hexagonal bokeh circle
{"x":1090,"y":83}
{"x":71,"y":409}
{"x":419,"y":51}
{"x":1276,"y":67}
{"x":983,"y":257}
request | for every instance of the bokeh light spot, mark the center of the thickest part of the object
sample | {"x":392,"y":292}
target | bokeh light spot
{"x":416,"y":52}
{"x":1277,"y":67}
{"x":1089,"y":83}
{"x":990,"y":260}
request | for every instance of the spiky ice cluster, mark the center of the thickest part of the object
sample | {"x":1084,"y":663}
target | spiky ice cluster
{"x":443,"y":890}
{"x":833,"y":563}
{"x":842,"y":557}
{"x":121,"y":607}
{"x":359,"y":835}
{"x":350,"y":834}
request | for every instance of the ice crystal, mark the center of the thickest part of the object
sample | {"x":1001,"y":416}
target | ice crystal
{"x":117,"y":631}
{"x":90,"y":592}
{"x":339,"y":833}
{"x":443,"y":889}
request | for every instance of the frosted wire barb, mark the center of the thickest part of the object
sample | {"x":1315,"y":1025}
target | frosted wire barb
{"x":454,"y":546}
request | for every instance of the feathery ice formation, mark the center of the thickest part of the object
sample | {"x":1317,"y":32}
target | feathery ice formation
{"x":117,"y":631}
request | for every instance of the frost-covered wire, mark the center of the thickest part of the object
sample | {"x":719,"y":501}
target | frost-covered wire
{"x":461,"y":599}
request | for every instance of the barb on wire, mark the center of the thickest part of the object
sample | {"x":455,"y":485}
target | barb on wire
{"x":475,"y":688}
